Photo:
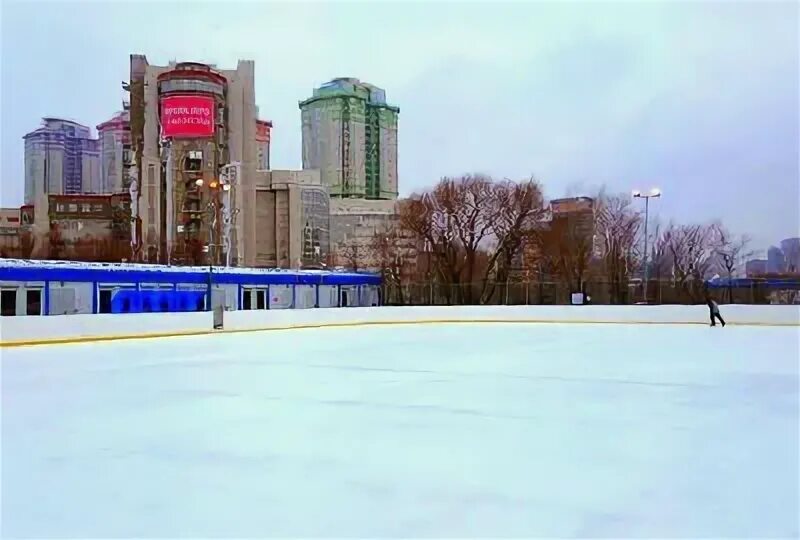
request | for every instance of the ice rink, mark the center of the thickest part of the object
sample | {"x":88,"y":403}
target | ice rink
{"x":419,"y":430}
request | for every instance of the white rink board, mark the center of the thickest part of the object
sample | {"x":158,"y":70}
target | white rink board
{"x":81,"y":327}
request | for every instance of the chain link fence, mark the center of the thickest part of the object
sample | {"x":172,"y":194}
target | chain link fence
{"x":595,"y":292}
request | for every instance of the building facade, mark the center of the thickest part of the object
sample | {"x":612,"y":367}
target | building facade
{"x":355,"y":223}
{"x":10,"y":220}
{"x":776,"y":263}
{"x":61,"y":157}
{"x":791,"y":254}
{"x":115,"y":153}
{"x":193,"y":177}
{"x":755,"y":267}
{"x":89,"y":227}
{"x":263,"y":136}
{"x":350,"y":135}
{"x":292,"y":220}
{"x":81,"y":227}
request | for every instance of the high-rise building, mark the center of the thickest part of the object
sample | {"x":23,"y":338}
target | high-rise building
{"x":61,"y":157}
{"x":190,"y":123}
{"x":350,"y":135}
{"x":115,"y":153}
{"x":776,"y":263}
{"x":791,"y":254}
{"x":200,"y":189}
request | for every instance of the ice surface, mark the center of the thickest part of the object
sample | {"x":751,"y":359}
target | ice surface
{"x":436,"y":430}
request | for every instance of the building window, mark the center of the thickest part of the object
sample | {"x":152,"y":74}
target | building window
{"x":33,"y":299}
{"x":8,"y":302}
{"x":73,"y":207}
{"x":104,"y":301}
{"x":194,"y":161}
{"x":246,"y":298}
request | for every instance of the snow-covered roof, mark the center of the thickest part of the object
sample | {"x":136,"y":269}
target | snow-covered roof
{"x":23,"y":263}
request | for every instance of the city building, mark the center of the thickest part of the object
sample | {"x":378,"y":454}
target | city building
{"x":292,"y":220}
{"x":791,"y":254}
{"x":263,"y":135}
{"x":776,"y":263}
{"x":77,"y":227}
{"x":9,"y":232}
{"x":354,"y":225}
{"x":350,"y":135}
{"x":115,"y":153}
{"x":61,"y":157}
{"x":755,"y":267}
{"x":193,"y":138}
{"x":575,"y":217}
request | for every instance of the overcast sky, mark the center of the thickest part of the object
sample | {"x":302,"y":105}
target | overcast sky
{"x":698,"y":98}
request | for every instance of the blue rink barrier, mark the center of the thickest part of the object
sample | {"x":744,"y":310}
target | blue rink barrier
{"x":34,"y":288}
{"x":132,"y":301}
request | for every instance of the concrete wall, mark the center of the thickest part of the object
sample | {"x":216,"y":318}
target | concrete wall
{"x":75,"y":327}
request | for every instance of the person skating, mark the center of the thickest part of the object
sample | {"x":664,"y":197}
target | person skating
{"x":713,"y":311}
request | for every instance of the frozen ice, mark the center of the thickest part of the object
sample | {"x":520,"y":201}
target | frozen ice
{"x":500,"y":430}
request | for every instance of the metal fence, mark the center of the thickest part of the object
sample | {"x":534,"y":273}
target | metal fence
{"x":595,"y":292}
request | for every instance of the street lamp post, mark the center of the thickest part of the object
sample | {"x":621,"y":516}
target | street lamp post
{"x":229,"y":177}
{"x":654,"y":193}
{"x":212,"y":214}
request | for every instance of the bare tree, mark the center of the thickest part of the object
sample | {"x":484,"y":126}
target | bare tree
{"x":659,"y":258}
{"x":566,"y":245}
{"x":352,"y":255}
{"x":474,"y":228}
{"x":394,"y":254}
{"x":517,"y":209}
{"x":455,"y":220}
{"x":691,"y":249}
{"x":730,"y":253}
{"x":617,"y":227}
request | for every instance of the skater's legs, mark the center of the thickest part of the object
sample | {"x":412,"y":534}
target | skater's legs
{"x":720,"y":319}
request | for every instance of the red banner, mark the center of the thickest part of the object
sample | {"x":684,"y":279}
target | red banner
{"x":187,"y":116}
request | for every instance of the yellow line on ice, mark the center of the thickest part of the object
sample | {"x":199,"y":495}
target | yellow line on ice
{"x":306,"y":326}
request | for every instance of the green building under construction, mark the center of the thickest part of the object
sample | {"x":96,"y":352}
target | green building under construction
{"x":350,"y":135}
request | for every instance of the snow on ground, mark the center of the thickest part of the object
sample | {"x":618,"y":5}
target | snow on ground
{"x":448,"y":430}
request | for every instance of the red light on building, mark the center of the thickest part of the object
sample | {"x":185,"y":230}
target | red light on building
{"x":187,"y":116}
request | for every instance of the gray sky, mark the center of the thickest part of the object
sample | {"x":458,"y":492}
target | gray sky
{"x":698,"y":98}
